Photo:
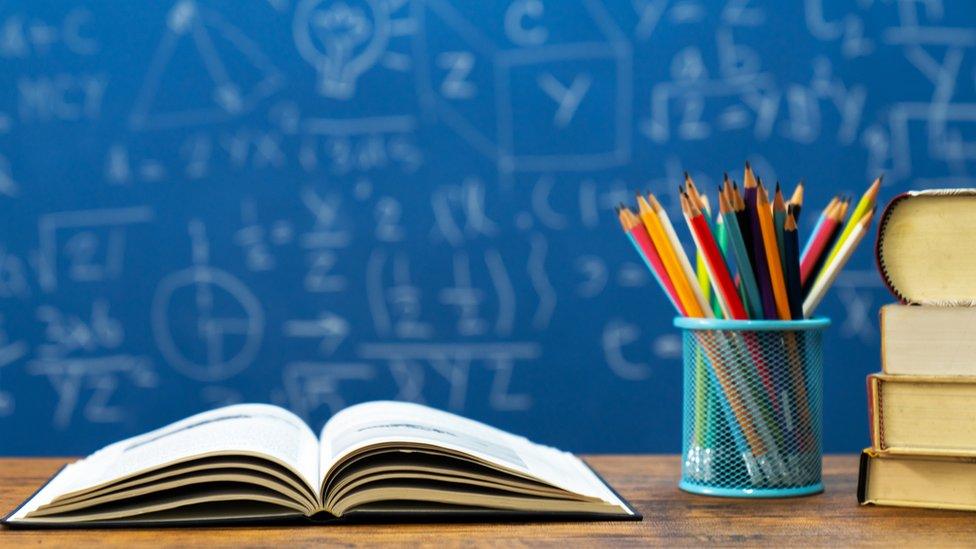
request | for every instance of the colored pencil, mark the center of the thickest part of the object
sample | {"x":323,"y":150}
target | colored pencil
{"x":796,"y":202}
{"x":645,"y":248}
{"x":722,"y":239}
{"x":738,"y":205}
{"x":833,"y":238}
{"x":734,"y":377}
{"x":701,"y":267}
{"x":668,"y":257}
{"x":758,"y":246}
{"x":749,"y":256}
{"x":701,"y":277}
{"x":779,"y":218}
{"x":844,"y":206}
{"x":772,"y":253}
{"x":717,"y":269}
{"x":791,"y":254}
{"x":821,"y":239}
{"x":833,"y":268}
{"x":865,"y":204}
{"x":679,"y":251}
{"x":701,"y":201}
{"x":819,"y":223}
{"x":747,"y":278}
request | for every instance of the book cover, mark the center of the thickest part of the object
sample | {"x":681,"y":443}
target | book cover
{"x":924,"y":247}
{"x":928,"y":340}
{"x":922,"y":415}
{"x":917,"y":481}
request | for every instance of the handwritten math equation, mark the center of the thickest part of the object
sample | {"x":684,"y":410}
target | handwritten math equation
{"x":316,"y":202}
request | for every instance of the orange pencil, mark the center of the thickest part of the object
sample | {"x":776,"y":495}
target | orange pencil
{"x":765,"y":215}
{"x":669,"y":258}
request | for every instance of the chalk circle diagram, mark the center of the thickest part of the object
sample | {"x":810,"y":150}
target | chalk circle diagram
{"x":341,"y":40}
{"x":207,"y":323}
{"x":233,"y":74}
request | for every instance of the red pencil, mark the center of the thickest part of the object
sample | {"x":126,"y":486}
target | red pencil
{"x":632,"y":224}
{"x":819,"y":244}
{"x":718,"y":270}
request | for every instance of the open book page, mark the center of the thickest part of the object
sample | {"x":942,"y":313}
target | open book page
{"x":244,"y":429}
{"x":400,"y":423}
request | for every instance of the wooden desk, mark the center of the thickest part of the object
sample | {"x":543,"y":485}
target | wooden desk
{"x":670,"y":517}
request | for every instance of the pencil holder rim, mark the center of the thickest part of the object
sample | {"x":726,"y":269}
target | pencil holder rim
{"x":688,"y":323}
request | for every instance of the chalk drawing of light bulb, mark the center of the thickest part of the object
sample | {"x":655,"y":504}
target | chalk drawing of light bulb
{"x":342,"y":40}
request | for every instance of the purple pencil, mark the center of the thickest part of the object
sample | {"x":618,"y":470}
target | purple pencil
{"x":762,"y":267}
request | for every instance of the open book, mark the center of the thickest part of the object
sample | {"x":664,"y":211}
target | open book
{"x":379,"y":460}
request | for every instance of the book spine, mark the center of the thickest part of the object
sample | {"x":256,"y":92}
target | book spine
{"x":874,"y":411}
{"x":883,"y":329}
{"x":879,"y":242}
{"x":862,"y":479}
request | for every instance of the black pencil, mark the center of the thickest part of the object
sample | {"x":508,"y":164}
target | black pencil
{"x":796,"y":202}
{"x":745,"y":227}
{"x":791,"y":258}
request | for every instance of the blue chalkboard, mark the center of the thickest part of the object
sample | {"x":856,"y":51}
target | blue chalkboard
{"x":319,"y":202}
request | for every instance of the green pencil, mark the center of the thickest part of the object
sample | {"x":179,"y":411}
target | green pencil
{"x":747,"y":278}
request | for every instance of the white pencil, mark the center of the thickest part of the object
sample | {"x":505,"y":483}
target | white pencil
{"x":682,"y":257}
{"x":830,"y":272}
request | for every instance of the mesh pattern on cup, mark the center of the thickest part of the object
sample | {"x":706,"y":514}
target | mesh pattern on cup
{"x":752,"y":409}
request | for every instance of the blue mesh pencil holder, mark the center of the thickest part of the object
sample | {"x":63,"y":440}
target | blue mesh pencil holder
{"x":753,"y":402}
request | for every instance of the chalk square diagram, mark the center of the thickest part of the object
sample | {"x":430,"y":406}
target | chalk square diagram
{"x":513,"y":86}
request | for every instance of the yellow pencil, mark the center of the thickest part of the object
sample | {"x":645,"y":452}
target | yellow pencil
{"x":679,"y":251}
{"x":681,"y":284}
{"x":863,"y":206}
{"x":772,"y":253}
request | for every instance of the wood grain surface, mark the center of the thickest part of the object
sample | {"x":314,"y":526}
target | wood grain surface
{"x":671,"y":517}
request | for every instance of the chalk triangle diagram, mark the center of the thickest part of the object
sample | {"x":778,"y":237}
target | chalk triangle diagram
{"x":204,"y":71}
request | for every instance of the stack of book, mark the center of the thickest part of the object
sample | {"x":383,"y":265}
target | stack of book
{"x":922,"y":407}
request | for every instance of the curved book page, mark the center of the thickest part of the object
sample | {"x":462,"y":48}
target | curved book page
{"x":259,"y":431}
{"x":406,"y":426}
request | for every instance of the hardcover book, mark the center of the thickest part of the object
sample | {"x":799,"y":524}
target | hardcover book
{"x":924,"y":248}
{"x":927,"y":340}
{"x":934,"y":415}
{"x":917,"y":481}
{"x":384,"y":461}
